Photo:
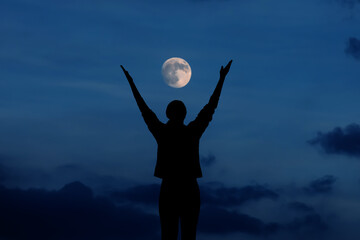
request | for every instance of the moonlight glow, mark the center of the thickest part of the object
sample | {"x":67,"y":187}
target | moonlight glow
{"x":176,"y":72}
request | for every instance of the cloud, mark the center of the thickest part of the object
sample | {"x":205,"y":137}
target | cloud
{"x":100,"y":183}
{"x":349,"y":3}
{"x":214,"y":217}
{"x":2,"y":173}
{"x":5,"y":171}
{"x":223,"y":196}
{"x":300,"y":207}
{"x":210,"y":195}
{"x":207,"y":161}
{"x":144,"y":194}
{"x":310,"y":223}
{"x":24,"y":176}
{"x":70,"y":213}
{"x":353,"y":48}
{"x":218,"y":220}
{"x":340,"y":141}
{"x":28,"y":176}
{"x":321,"y":185}
{"x":221,"y":221}
{"x":73,"y":212}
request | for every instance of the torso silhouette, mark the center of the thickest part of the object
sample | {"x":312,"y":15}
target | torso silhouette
{"x":178,"y":144}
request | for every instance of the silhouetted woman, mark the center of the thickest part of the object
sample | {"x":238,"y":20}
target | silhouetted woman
{"x":178,"y":162}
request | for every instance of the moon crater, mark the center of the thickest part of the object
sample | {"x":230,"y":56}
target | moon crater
{"x":176,"y":72}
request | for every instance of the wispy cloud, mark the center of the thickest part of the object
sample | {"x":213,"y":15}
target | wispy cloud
{"x":321,"y":185}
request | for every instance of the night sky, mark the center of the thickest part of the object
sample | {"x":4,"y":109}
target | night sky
{"x":280,"y":159}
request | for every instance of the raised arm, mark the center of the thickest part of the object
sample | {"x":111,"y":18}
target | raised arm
{"x":138,"y":98}
{"x":205,"y":116}
{"x":149,"y":116}
{"x":214,"y":99}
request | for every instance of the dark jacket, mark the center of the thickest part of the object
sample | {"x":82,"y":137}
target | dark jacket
{"x":178,"y":144}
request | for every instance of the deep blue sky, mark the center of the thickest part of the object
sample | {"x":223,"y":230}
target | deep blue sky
{"x":286,"y":124}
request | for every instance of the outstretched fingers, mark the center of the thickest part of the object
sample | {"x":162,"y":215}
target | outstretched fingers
{"x":224,"y":70}
{"x":228,"y":65}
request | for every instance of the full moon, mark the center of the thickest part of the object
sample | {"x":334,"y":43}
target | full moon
{"x":176,"y":72}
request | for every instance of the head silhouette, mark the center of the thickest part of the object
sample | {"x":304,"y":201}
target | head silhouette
{"x":176,"y":111}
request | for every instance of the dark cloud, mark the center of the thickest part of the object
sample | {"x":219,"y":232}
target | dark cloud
{"x":353,"y":48}
{"x":218,"y":217}
{"x":309,"y":224}
{"x":77,"y":191}
{"x":27,"y":176}
{"x":340,"y":140}
{"x":214,"y":217}
{"x":300,"y":207}
{"x":66,"y":168}
{"x":218,"y":220}
{"x":73,"y":212}
{"x":349,"y":3}
{"x":144,"y":194}
{"x":5,"y":171}
{"x":223,"y":196}
{"x":21,"y":176}
{"x":2,"y":173}
{"x":70,"y":213}
{"x":208,"y":160}
{"x":218,"y":195}
{"x":221,"y":221}
{"x":100,"y":183}
{"x":321,"y":185}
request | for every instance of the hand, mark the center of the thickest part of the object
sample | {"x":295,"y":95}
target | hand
{"x":128,"y":77}
{"x":224,"y":70}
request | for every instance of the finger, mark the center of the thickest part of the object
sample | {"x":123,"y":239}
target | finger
{"x":125,"y":72}
{"x":229,"y":64}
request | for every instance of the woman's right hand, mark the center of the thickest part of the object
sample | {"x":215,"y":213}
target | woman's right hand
{"x":128,"y":77}
{"x":224,"y":70}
